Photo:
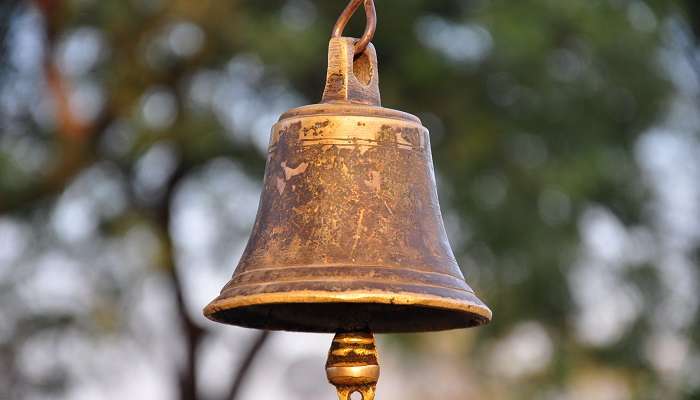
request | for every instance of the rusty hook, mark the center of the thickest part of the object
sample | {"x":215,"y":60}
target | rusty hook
{"x":371,"y":27}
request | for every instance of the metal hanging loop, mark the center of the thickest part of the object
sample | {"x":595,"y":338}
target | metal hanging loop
{"x":371,"y":27}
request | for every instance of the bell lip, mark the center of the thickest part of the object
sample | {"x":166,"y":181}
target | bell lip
{"x":342,"y":108}
{"x":310,"y":297}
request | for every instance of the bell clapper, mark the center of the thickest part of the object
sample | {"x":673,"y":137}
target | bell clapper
{"x":353,"y":365}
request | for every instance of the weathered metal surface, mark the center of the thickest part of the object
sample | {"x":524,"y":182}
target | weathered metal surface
{"x":353,"y":365}
{"x":350,"y":79}
{"x":349,"y":234}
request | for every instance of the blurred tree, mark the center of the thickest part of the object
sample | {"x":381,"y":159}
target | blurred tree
{"x":112,"y":112}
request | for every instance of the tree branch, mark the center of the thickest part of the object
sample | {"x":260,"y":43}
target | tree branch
{"x":246,"y":364}
{"x":193,"y":333}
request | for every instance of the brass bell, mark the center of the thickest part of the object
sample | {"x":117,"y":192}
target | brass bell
{"x":349,"y":235}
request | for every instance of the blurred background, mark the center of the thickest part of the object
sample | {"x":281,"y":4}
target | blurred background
{"x":566,"y":137}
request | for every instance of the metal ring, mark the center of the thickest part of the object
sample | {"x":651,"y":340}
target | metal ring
{"x":371,"y":27}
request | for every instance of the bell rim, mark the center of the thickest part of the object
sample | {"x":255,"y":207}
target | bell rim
{"x":409,"y":299}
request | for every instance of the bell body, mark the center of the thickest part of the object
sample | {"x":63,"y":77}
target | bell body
{"x":349,"y":234}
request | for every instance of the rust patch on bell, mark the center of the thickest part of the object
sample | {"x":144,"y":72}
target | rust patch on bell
{"x":412,"y":136}
{"x":277,"y":134}
{"x":314,"y":130}
{"x":335,"y":83}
